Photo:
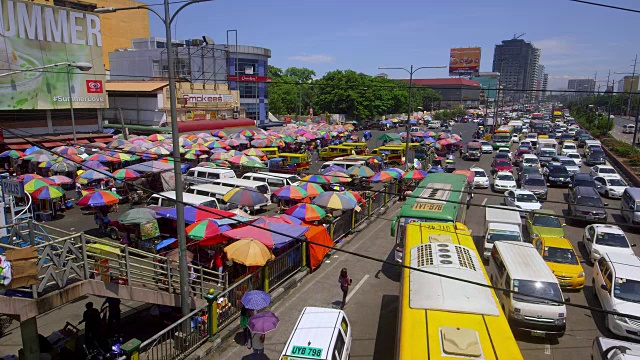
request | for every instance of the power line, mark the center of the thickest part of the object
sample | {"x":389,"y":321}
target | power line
{"x":606,"y":6}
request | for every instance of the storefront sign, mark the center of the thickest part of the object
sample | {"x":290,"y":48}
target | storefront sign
{"x":12,"y":187}
{"x":200,"y":115}
{"x":249,"y":78}
{"x":208,"y":98}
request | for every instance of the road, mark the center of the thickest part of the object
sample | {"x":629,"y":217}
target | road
{"x":619,"y":122}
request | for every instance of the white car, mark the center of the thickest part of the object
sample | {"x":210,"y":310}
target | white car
{"x":604,"y":171}
{"x":568,"y":147}
{"x":522,"y":199}
{"x":515,"y":138}
{"x":600,"y":238}
{"x":486,"y":147}
{"x":567,"y":162}
{"x":503,"y":181}
{"x":610,"y":187}
{"x":480,"y":180}
{"x":575,"y":157}
{"x":504,"y":151}
{"x":530,"y":160}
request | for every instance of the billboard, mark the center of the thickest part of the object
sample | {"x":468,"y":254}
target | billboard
{"x":34,"y":35}
{"x":464,"y":61}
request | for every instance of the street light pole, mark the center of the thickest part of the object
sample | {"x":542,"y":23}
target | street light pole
{"x":411,"y":71}
{"x":167,"y":19}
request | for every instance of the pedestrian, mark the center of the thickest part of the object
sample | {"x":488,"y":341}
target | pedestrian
{"x":257,"y":342}
{"x":113,"y":306}
{"x":345,"y":282}
{"x":219,"y":263}
{"x":244,"y":324}
{"x":79,"y":190}
{"x":91,"y":318}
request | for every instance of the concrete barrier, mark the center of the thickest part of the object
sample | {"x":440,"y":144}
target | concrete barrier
{"x":622,"y":167}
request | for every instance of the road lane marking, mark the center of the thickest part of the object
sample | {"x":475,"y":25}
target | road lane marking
{"x":547,"y":349}
{"x":484,"y":201}
{"x":357,"y":287}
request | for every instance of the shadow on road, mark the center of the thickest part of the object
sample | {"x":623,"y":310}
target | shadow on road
{"x":255,"y":357}
{"x":386,"y":334}
{"x":598,"y":317}
{"x":389,"y":271}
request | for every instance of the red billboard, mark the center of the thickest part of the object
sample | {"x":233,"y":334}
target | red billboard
{"x":249,"y":78}
{"x":464,"y":61}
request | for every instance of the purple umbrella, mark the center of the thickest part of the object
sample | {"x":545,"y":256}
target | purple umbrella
{"x":263,"y":322}
{"x":256,"y":300}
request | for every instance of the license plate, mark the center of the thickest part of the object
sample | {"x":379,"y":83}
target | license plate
{"x":564,"y":283}
{"x":537,"y":333}
{"x":306,"y":351}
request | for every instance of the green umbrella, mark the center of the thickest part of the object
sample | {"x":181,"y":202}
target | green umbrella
{"x":137,"y":216}
{"x":389,"y":137}
{"x":253,"y":163}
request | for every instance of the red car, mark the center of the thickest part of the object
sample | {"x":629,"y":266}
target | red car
{"x":519,"y":155}
{"x":501,"y":165}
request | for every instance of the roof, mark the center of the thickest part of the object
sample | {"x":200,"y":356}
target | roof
{"x":523,"y":261}
{"x":135,"y":86}
{"x":445,"y":82}
{"x":317,"y":327}
{"x":633,"y":191}
{"x":557,"y":242}
{"x":608,"y":228}
{"x":626,"y":266}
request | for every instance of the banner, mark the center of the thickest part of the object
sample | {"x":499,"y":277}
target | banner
{"x":32,"y":36}
{"x":464,"y":61}
{"x":208,"y":98}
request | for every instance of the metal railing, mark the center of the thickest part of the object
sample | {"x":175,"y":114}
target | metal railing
{"x":362,"y":215}
{"x":341,"y":226}
{"x":284,"y":266}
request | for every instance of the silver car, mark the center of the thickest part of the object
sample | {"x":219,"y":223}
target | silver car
{"x":567,"y":162}
{"x":537,"y":184}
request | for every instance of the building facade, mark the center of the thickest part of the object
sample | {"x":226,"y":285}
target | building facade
{"x":629,"y":84}
{"x":517,"y":61}
{"x":455,"y":92}
{"x":580,"y":85}
{"x":489,"y":82}
{"x":242,"y":68}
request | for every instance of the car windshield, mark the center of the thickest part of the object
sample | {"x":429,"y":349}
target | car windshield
{"x":503,"y":235}
{"x":535,"y":182}
{"x":525,"y":290}
{"x":527,"y":198}
{"x":559,"y":255}
{"x":558,"y":170}
{"x":530,"y":160}
{"x":596,"y":154}
{"x":505,"y":177}
{"x":479,"y":173}
{"x":503,"y":163}
{"x":584,"y":182}
{"x":573,"y":155}
{"x":627,"y":289}
{"x":546,"y":221}
{"x":612,"y":239}
{"x":606,"y":171}
{"x":567,"y":162}
{"x":589,"y":201}
{"x":293,"y":179}
{"x":473,"y":148}
{"x":547,"y":152}
{"x":569,"y":146}
{"x":617,"y":182}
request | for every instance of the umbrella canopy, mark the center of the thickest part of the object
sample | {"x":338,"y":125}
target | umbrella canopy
{"x":156,"y":137}
{"x":360,"y":171}
{"x":174,"y":255}
{"x":256,"y":299}
{"x":382,"y":176}
{"x":124,"y":174}
{"x":203,"y":229}
{"x":312,"y":189}
{"x":291,"y":192}
{"x":238,"y":159}
{"x":415,"y":175}
{"x":137,"y":216}
{"x":332,"y":168}
{"x":245,"y":197}
{"x":334,"y":200}
{"x":37,"y":183}
{"x":220,"y":156}
{"x":193,"y":214}
{"x":306,"y":212}
{"x":64,"y":166}
{"x":101,"y":158}
{"x":263,"y":322}
{"x":59,"y":179}
{"x":253,"y":152}
{"x":249,"y":252}
{"x":48,"y":192}
{"x":46,"y":164}
{"x":272,"y":234}
{"x":254,"y":163}
{"x":99,"y":198}
{"x":93,"y":175}
{"x":316,"y":179}
{"x":388,"y":137}
{"x":219,"y":133}
{"x":354,"y":195}
{"x":14,"y":154}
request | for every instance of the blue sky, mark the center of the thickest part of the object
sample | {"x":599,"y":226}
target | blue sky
{"x":576,"y":39}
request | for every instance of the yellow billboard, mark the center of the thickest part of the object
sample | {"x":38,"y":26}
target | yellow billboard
{"x":464,"y":61}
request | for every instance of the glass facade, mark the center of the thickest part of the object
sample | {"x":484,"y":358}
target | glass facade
{"x":253,"y":95}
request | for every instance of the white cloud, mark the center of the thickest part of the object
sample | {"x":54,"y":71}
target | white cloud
{"x":314,"y":58}
{"x":557,"y":46}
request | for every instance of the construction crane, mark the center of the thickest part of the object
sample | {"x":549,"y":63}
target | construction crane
{"x":518,"y":36}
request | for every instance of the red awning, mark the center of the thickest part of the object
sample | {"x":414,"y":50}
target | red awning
{"x":52,"y":144}
{"x":208,"y":125}
{"x":18,"y":146}
{"x":83,"y":141}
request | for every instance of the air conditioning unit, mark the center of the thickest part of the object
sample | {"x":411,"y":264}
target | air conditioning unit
{"x":236,"y":115}
{"x":223,"y":116}
{"x":236,"y":109}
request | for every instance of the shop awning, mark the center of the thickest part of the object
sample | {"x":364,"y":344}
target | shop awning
{"x":53,"y":144}
{"x":18,"y":146}
{"x":82,"y":141}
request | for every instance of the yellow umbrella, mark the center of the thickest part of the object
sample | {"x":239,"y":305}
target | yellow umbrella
{"x":249,"y":252}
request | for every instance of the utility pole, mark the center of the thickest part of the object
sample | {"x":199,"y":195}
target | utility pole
{"x":497,"y":100}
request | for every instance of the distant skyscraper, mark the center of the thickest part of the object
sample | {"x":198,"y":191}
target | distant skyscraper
{"x":581,"y":85}
{"x":517,"y":62}
{"x":545,"y":84}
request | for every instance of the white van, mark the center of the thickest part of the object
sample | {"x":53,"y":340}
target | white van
{"x":628,"y":129}
{"x":518,"y":266}
{"x":214,"y":191}
{"x":274,"y":180}
{"x":320,"y":333}
{"x":167,"y":199}
{"x":261,"y":187}
{"x":203,"y":175}
{"x":343,"y":163}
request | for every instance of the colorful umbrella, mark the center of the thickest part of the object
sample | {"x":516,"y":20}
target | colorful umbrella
{"x":160,"y":151}
{"x":249,"y":252}
{"x":331,"y":168}
{"x":193,"y":214}
{"x":199,"y":147}
{"x":263,"y":322}
{"x":99,"y":198}
{"x":203,"y":229}
{"x":155,"y":137}
{"x":220,"y":156}
{"x":256,"y":299}
{"x":36,"y":184}
{"x":271,"y":234}
{"x":290,"y":192}
{"x":306,"y":212}
{"x":101,"y":158}
{"x":316,"y":179}
{"x":354,"y":195}
{"x":219,"y":133}
{"x":93,"y":175}
{"x":334,"y":200}
{"x":245,"y":197}
{"x":28,"y":177}
{"x":93,"y":165}
{"x":253,"y":152}
{"x":14,"y":154}
{"x":48,"y":192}
{"x":125,"y":174}
{"x":46,"y":164}
{"x":360,"y":171}
{"x":137,"y":216}
{"x":221,"y":163}
{"x":382,"y":176}
{"x":254,"y":164}
{"x":119,"y":143}
{"x":59,"y":179}
{"x":259,"y":143}
{"x":238,"y":159}
{"x":246,"y":133}
{"x":124,"y":157}
{"x":41,"y":157}
{"x":312,"y":189}
{"x":415,"y":175}
{"x":339,"y":178}
{"x":395,"y":172}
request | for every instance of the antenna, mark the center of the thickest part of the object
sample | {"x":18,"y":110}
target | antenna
{"x":518,"y":36}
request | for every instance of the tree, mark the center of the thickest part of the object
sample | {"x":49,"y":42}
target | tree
{"x":286,"y":94}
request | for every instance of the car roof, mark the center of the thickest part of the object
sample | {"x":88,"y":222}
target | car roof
{"x":626,"y":266}
{"x":529,"y":155}
{"x":582,"y":176}
{"x":557,"y":242}
{"x":477,"y":169}
{"x":535,"y":175}
{"x":604,"y":167}
{"x":585,"y":190}
{"x":608,"y":228}
{"x":504,"y":173}
{"x":521,"y":191}
{"x":543,"y":212}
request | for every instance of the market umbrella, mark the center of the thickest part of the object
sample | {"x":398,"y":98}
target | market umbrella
{"x":335,"y":200}
{"x":249,"y":252}
{"x":312,"y":189}
{"x":193,"y":214}
{"x":137,"y":216}
{"x":125,"y":174}
{"x":46,"y":164}
{"x":14,"y":154}
{"x":93,"y":175}
{"x":354,"y":195}
{"x":238,"y":159}
{"x":360,"y":171}
{"x":263,"y":322}
{"x":290,"y":192}
{"x":156,"y":137}
{"x":253,"y":152}
{"x":48,"y":192}
{"x":203,"y":229}
{"x":271,"y":234}
{"x":388,"y":137}
{"x":256,"y":299}
{"x":306,"y":212}
{"x":415,"y":175}
{"x":124,"y":157}
{"x":395,"y":172}
{"x":220,"y":156}
{"x":59,"y":179}
{"x":118,"y":143}
{"x":99,"y":198}
{"x":174,"y":255}
{"x":93,"y":164}
{"x":31,"y":150}
{"x":332,"y":168}
{"x":316,"y":179}
{"x":245,"y":197}
{"x":37,"y":183}
{"x":219,"y":133}
{"x":101,"y":158}
{"x":41,"y":157}
{"x":381,"y":176}
{"x":338,"y":177}
{"x":281,"y":219}
{"x":28,"y":177}
{"x":254,"y":164}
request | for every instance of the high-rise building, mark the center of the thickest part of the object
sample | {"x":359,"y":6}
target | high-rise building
{"x":545,"y":84}
{"x":581,"y":85}
{"x":517,"y":62}
{"x":629,"y":84}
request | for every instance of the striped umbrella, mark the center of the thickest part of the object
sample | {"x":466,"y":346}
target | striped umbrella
{"x":245,"y":197}
{"x":396,"y":173}
{"x":124,"y":157}
{"x":235,"y":142}
{"x":316,"y":179}
{"x":156,"y":137}
{"x":360,"y":171}
{"x":60,"y":179}
{"x":203,"y":229}
{"x":199,"y":147}
{"x":312,"y":189}
{"x":101,"y":158}
{"x":28,"y":177}
{"x":246,"y":133}
{"x":41,"y":157}
{"x":46,"y":164}
{"x":306,"y":212}
{"x":221,"y":163}
{"x":381,"y":176}
{"x":93,"y":175}
{"x":118,"y":143}
{"x":354,"y":195}
{"x":238,"y":159}
{"x":259,"y":143}
{"x":219,"y":133}
{"x":14,"y":154}
{"x":99,"y":198}
{"x":253,"y":152}
{"x":125,"y":174}
{"x":335,"y":200}
{"x":48,"y":192}
{"x":234,"y":153}
{"x":216,"y":144}
{"x":290,"y":192}
{"x":220,"y":156}
{"x":415,"y":175}
{"x":159,"y":151}
{"x":36,"y":184}
{"x":207,"y":164}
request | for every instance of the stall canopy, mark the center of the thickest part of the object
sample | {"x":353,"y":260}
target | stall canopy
{"x":192,"y":214}
{"x":318,"y":235}
{"x":150,"y":167}
{"x":270,"y":231}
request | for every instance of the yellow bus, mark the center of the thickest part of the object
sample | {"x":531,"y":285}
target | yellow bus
{"x":334,"y":151}
{"x":391,"y":154}
{"x":442,"y":318}
{"x":357,"y":146}
{"x":270,"y":152}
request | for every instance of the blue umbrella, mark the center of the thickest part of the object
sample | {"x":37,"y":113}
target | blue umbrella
{"x":31,"y":150}
{"x":165,"y":243}
{"x":256,"y":300}
{"x":429,"y":140}
{"x":332,"y":168}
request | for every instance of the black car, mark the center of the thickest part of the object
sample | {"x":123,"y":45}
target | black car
{"x":582,"y":179}
{"x":582,"y":138}
{"x":557,"y":175}
{"x":585,"y":203}
{"x":596,"y":157}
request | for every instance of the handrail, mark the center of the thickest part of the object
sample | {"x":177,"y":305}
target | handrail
{"x":26,"y":207}
{"x":174,"y":325}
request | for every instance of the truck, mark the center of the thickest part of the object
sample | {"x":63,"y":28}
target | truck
{"x":474,"y":151}
{"x":501,"y":223}
{"x":547,"y":149}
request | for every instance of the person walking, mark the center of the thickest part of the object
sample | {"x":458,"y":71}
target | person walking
{"x":113,"y":305}
{"x":91,"y":318}
{"x":219,"y":263}
{"x":345,"y":282}
{"x":257,"y":342}
{"x":244,"y":324}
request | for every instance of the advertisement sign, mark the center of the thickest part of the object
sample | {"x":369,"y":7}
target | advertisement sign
{"x":208,"y":98}
{"x":464,"y":61}
{"x":12,"y":187}
{"x":33,"y":35}
{"x":249,"y":78}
